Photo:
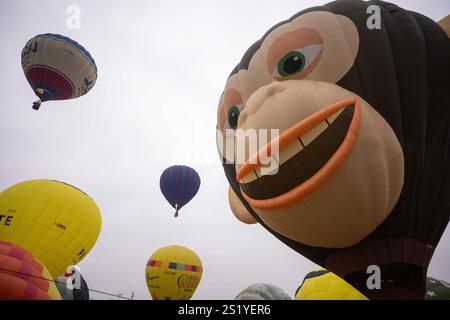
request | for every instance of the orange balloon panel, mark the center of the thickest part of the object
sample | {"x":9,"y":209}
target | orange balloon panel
{"x":12,"y":250}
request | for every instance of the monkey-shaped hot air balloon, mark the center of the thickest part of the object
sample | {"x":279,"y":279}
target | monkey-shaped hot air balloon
{"x":173,"y":273}
{"x":57,"y":68}
{"x":23,"y":277}
{"x":55,"y":222}
{"x":358,"y":172}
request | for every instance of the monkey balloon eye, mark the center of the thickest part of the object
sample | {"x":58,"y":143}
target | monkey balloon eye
{"x":232,"y":117}
{"x":296,"y":61}
{"x":291,"y":63}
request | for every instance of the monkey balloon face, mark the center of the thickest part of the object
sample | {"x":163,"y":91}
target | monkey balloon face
{"x":339,"y":163}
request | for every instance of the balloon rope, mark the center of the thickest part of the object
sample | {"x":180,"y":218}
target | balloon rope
{"x":52,"y":280}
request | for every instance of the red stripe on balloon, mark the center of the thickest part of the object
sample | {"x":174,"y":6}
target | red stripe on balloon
{"x":51,"y":78}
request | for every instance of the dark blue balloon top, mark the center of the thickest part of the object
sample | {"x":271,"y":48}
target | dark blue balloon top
{"x":179,"y":184}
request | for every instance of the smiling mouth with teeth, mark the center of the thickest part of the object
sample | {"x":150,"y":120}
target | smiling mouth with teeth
{"x":310,"y":153}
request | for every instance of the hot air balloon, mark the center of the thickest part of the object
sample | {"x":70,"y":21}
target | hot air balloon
{"x":179,"y":184}
{"x":56,"y":222}
{"x":23,"y":277}
{"x":359,"y":171}
{"x":324,"y":285}
{"x":437,"y":289}
{"x":68,"y":289}
{"x":262,"y":291}
{"x":173,"y":273}
{"x":57,"y":68}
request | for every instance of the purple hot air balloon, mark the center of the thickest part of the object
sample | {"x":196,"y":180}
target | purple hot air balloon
{"x":179,"y":184}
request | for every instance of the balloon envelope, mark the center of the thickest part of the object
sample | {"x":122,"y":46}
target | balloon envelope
{"x":262,"y":291}
{"x":324,"y":285}
{"x":23,"y":277}
{"x":57,"y":67}
{"x":56,"y":222}
{"x":437,"y":289}
{"x":363,"y":177}
{"x":173,"y":273}
{"x":179,"y":184}
{"x":68,"y":293}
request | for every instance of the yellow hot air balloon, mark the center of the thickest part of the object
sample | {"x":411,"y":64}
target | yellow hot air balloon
{"x":324,"y":285}
{"x":173,"y":273}
{"x":56,"y":222}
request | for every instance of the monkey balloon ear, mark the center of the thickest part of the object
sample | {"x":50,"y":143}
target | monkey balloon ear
{"x":444,"y":23}
{"x":238,"y":209}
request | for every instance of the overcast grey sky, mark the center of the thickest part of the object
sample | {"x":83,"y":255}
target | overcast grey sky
{"x":162,"y":67}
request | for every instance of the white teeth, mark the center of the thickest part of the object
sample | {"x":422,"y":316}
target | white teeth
{"x":249,"y":177}
{"x":269,"y":169}
{"x":289,"y":151}
{"x":333,"y":117}
{"x":273,"y":166}
{"x":312,"y":134}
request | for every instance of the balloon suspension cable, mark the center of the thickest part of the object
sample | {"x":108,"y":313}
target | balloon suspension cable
{"x":176,"y":209}
{"x":37,"y":104}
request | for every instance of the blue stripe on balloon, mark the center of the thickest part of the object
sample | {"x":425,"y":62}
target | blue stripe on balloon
{"x":49,"y":92}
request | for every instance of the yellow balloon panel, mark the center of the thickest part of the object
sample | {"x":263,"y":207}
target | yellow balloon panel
{"x":53,"y":291}
{"x":173,"y":273}
{"x":325,"y":285}
{"x":57,"y":223}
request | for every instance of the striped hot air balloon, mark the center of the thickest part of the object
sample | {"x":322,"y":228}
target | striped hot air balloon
{"x":179,"y":184}
{"x":57,"y":68}
{"x":173,"y":273}
{"x":23,"y":277}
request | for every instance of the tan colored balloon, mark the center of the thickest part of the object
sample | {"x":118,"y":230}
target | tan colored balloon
{"x":238,"y":209}
{"x":444,"y":23}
